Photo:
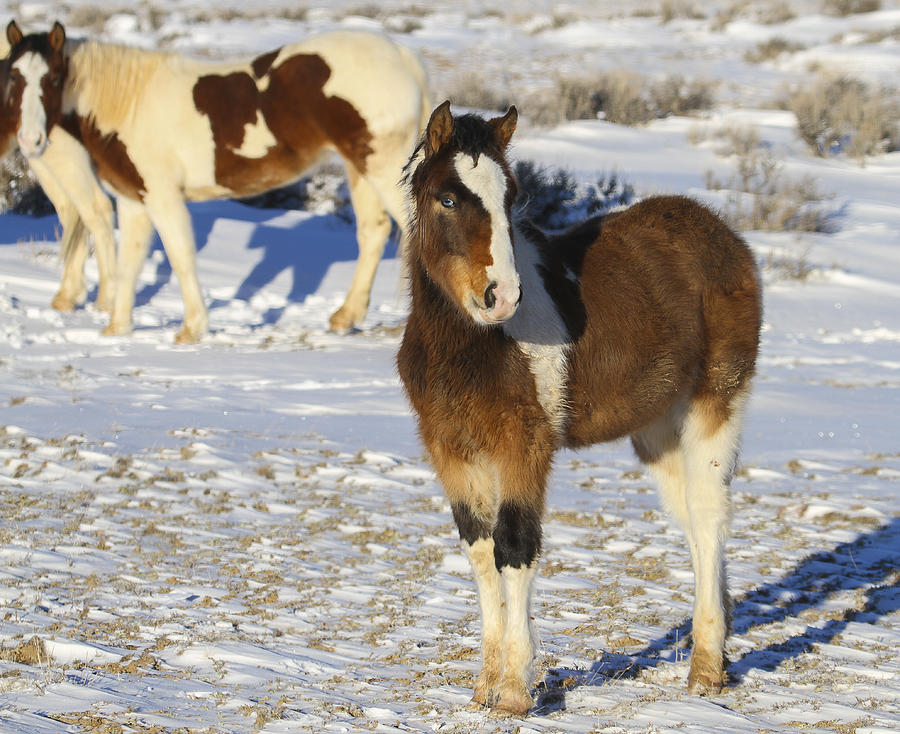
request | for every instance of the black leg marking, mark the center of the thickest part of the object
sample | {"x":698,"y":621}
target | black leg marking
{"x":470,"y":527}
{"x":517,"y":536}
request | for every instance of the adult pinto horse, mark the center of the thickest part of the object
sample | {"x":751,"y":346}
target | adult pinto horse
{"x":643,"y":323}
{"x":163,"y":129}
{"x":63,"y":169}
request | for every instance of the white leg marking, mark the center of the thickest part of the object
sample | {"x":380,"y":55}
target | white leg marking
{"x":519,"y":639}
{"x":487,"y":578}
{"x":709,"y":461}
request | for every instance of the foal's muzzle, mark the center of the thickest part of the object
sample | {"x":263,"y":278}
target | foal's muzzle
{"x":500,"y":303}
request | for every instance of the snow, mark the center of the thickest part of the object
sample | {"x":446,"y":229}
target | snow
{"x":244,"y":535}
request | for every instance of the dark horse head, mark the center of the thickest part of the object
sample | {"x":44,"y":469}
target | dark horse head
{"x":461,"y":191}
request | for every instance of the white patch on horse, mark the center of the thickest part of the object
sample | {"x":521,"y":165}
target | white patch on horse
{"x":33,"y":123}
{"x":542,"y":335}
{"x":258,"y":139}
{"x":487,"y":181}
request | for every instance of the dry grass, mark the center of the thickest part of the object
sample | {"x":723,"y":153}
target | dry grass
{"x":623,"y":97}
{"x":772,"y":49}
{"x":843,"y":115}
{"x":761,"y":197}
{"x":843,"y":8}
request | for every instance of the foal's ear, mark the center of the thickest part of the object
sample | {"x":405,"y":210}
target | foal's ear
{"x":439,"y":130}
{"x":57,"y":36}
{"x":505,"y":126}
{"x":13,"y":33}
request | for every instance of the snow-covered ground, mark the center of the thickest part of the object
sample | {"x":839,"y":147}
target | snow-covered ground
{"x":243,"y":535}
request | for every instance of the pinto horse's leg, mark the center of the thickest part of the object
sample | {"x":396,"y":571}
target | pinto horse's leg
{"x":72,"y":168}
{"x":373,"y":227}
{"x":709,"y":441}
{"x":135,"y":230}
{"x":172,"y":220}
{"x":73,"y":249}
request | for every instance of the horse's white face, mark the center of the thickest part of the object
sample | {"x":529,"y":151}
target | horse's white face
{"x":29,"y":71}
{"x":36,"y":71}
{"x":487,"y":181}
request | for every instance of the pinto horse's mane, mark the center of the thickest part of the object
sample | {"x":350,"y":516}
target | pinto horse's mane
{"x":107,"y":79}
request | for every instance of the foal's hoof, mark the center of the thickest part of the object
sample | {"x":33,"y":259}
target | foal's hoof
{"x":512,"y":701}
{"x":707,"y":676}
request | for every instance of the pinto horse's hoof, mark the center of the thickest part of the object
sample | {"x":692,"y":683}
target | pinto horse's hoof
{"x":112,"y":330}
{"x":186,"y":336}
{"x":62,"y":303}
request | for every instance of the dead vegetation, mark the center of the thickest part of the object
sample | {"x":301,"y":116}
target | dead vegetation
{"x":841,"y":115}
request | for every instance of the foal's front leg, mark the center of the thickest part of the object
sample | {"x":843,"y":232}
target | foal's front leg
{"x":471,"y":486}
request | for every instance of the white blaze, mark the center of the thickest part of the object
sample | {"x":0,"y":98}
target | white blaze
{"x":32,"y":128}
{"x":487,"y":182}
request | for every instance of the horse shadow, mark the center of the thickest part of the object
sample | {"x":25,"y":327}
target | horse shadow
{"x":867,"y":564}
{"x":305,"y":250}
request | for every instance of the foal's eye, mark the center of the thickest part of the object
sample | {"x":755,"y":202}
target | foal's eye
{"x":448,"y":202}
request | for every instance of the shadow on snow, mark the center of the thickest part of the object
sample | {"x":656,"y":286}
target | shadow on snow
{"x":867,"y":564}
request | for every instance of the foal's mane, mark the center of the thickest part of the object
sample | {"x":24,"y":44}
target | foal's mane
{"x":107,"y":79}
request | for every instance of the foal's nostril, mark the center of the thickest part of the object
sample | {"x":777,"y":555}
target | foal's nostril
{"x":519,"y":299}
{"x":489,"y":298}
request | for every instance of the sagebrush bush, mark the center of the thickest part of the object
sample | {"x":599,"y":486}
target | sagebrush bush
{"x":552,"y":199}
{"x":771,"y":49}
{"x":325,"y":191}
{"x":761,"y":197}
{"x":843,"y":8}
{"x":624,"y":97}
{"x":843,"y":115}
{"x":471,"y":90}
{"x":20,"y":192}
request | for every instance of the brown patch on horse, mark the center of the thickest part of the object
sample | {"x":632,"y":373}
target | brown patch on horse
{"x":261,"y":64}
{"x":110,"y":156}
{"x":290,"y":99}
{"x":671,"y":315}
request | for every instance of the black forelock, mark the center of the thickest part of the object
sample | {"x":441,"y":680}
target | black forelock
{"x":474,"y":135}
{"x":38,"y":43}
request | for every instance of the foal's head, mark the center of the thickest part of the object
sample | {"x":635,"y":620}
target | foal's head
{"x":32,"y":78}
{"x":462,"y":192}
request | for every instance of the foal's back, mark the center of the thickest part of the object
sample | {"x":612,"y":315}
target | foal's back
{"x":667,"y":308}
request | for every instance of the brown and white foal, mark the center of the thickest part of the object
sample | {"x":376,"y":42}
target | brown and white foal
{"x":643,"y":323}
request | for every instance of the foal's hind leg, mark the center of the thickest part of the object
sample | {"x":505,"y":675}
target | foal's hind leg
{"x":709,"y":441}
{"x":373,"y":227}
